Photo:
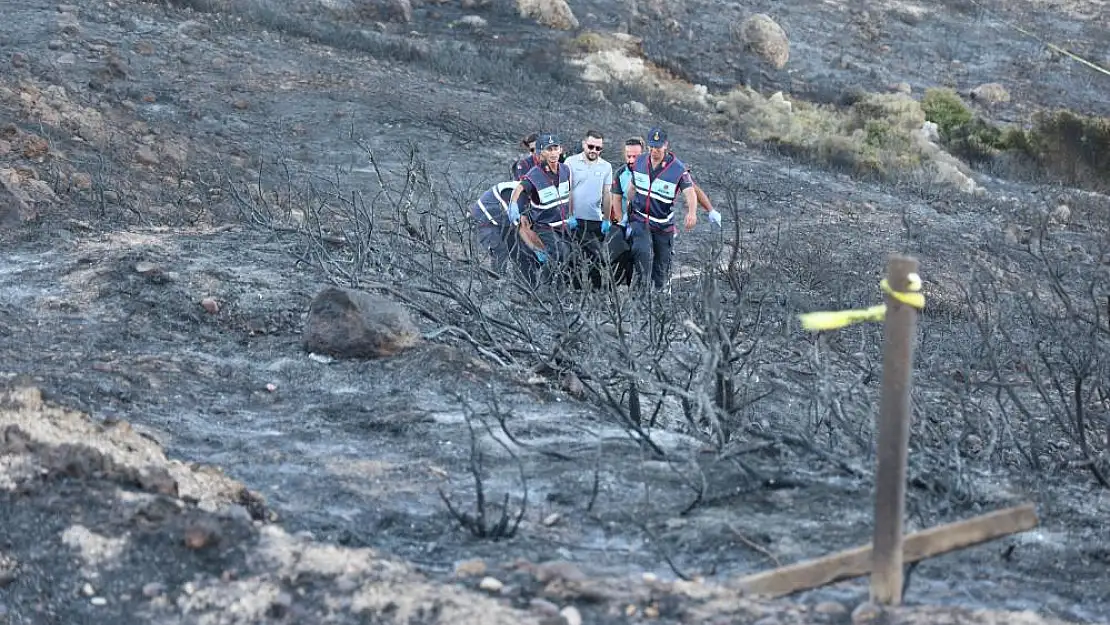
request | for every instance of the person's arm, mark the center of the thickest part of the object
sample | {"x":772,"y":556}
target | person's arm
{"x":703,"y":199}
{"x":606,"y":199}
{"x":616,"y":195}
{"x":690,"y":193}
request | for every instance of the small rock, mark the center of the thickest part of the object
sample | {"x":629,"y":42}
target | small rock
{"x":68,"y":58}
{"x":1061,"y":214}
{"x":146,"y":156}
{"x":144,"y":48}
{"x":571,"y":615}
{"x":98,"y":601}
{"x":68,"y":24}
{"x":200,"y":534}
{"x":544,"y":607}
{"x":241,"y":104}
{"x":19,"y":59}
{"x":900,"y":87}
{"x":88,"y":590}
{"x":153,"y":589}
{"x":210,"y":305}
{"x":551,"y":519}
{"x":491,"y":584}
{"x":866,"y":612}
{"x":831,"y":608}
{"x":558,"y":569}
{"x":81,"y":181}
{"x":475,"y":22}
{"x":572,"y":385}
{"x":470,"y":568}
{"x":990,"y":93}
{"x":271,"y":387}
{"x":56,"y":44}
{"x":145,"y":267}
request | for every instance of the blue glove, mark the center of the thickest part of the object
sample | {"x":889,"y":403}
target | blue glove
{"x":572,"y":223}
{"x":514,"y":212}
{"x":541,"y":256}
{"x":605,"y":225}
{"x":714,"y":216}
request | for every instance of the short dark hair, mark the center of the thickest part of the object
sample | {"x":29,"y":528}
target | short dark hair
{"x":594,"y":134}
{"x":635,"y":141}
{"x":529,"y":138}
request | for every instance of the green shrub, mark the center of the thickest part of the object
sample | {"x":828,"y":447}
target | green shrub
{"x":1073,"y":146}
{"x":944,"y":108}
{"x":586,"y":43}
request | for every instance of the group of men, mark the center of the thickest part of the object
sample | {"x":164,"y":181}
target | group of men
{"x":570,"y":217}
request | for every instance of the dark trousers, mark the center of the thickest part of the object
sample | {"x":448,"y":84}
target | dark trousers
{"x":619,"y":252}
{"x":504,"y":246}
{"x":590,"y":257}
{"x":652,"y":251}
{"x":558,"y":248}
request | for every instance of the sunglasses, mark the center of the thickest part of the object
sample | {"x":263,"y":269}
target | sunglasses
{"x":595,"y":148}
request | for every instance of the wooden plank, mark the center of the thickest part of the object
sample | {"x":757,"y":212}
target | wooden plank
{"x":899,"y":336}
{"x":917,"y":546}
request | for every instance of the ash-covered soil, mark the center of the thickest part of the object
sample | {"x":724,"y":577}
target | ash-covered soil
{"x":192,"y":467}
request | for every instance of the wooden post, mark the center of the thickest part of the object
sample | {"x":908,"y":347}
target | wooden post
{"x":899,"y":334}
{"x":918,"y":546}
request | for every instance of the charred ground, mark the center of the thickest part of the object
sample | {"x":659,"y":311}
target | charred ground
{"x":168,"y":152}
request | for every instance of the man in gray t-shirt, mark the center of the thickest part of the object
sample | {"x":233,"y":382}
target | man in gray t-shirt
{"x":592,"y":178}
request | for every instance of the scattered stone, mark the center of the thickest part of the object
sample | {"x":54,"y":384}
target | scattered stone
{"x":572,"y":385}
{"x":1061,"y":214}
{"x":271,"y":387}
{"x":241,"y":104}
{"x":766,"y":39}
{"x":866,"y":612}
{"x":345,"y":323}
{"x":990,"y":93}
{"x":551,"y":519}
{"x":19,"y":59}
{"x":56,"y":44}
{"x":476,"y":22}
{"x":544,"y":607}
{"x":88,"y":590}
{"x":901,"y":87}
{"x":154,"y":589}
{"x":144,"y":48}
{"x":68,"y":24}
{"x":35,"y":148}
{"x":146,"y":156}
{"x":145,"y":268}
{"x":470,"y":568}
{"x":81,"y":181}
{"x":635,"y":108}
{"x":558,"y":570}
{"x":551,"y":13}
{"x":98,"y":601}
{"x":201,"y":534}
{"x":831,"y":608}
{"x":491,"y":584}
{"x":571,"y":615}
{"x":210,"y":305}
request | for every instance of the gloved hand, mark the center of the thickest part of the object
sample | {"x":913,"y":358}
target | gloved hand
{"x":605,"y":225}
{"x":714,"y":216}
{"x":572,"y":223}
{"x":514,"y":212}
{"x":541,"y":256}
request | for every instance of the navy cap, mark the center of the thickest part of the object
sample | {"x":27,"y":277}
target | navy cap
{"x":656,"y":138}
{"x":547,"y":140}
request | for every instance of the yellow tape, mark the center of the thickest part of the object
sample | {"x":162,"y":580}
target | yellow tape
{"x":834,"y":319}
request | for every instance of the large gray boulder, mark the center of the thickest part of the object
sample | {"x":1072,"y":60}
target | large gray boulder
{"x":766,"y":39}
{"x":344,"y":323}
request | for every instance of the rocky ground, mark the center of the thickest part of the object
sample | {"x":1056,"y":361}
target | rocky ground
{"x":191,"y":463}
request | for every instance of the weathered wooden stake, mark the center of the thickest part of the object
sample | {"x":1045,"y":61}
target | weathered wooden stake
{"x":899,"y":333}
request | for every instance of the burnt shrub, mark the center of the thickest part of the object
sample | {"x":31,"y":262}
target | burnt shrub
{"x":1072,"y":146}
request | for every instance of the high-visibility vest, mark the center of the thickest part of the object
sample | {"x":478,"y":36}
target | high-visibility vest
{"x":491,"y":209}
{"x":656,"y":193}
{"x":551,"y":203}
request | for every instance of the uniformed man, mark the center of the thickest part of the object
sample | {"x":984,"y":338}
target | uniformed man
{"x":658,"y":178}
{"x":546,"y":224}
{"x":494,"y":230}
